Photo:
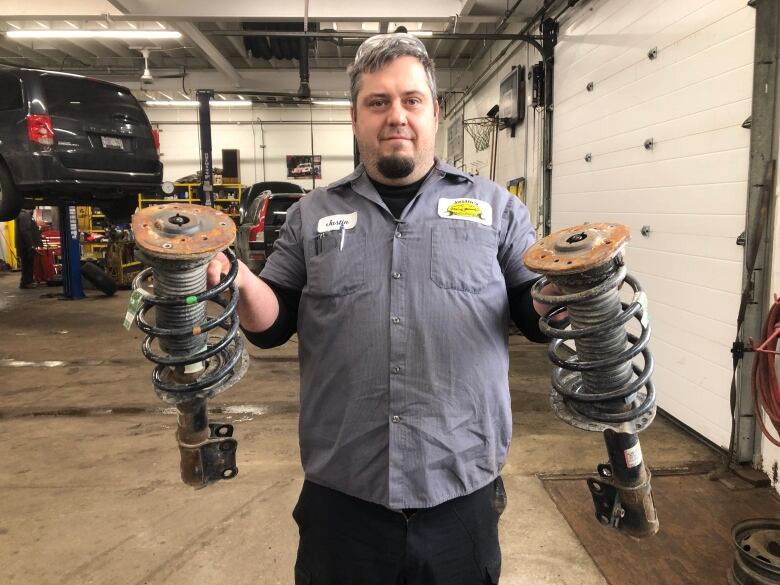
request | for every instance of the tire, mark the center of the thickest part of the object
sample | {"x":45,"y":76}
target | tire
{"x":10,"y":201}
{"x":99,"y":279}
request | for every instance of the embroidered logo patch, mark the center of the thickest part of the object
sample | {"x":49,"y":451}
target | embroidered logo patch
{"x":467,"y":210}
{"x":331,"y":223}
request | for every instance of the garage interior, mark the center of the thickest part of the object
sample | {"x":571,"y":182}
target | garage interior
{"x":664,"y":120}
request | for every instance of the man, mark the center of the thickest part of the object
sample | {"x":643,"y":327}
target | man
{"x":400,"y":280}
{"x":28,"y":238}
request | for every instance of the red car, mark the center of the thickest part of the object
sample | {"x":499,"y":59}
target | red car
{"x":260,"y":227}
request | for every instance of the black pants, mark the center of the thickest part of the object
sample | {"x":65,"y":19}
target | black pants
{"x":27,"y":259}
{"x":348,"y":541}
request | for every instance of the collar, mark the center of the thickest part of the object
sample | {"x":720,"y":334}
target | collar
{"x":440,"y":167}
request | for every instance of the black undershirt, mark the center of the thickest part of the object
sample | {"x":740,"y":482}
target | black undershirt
{"x":396,"y":199}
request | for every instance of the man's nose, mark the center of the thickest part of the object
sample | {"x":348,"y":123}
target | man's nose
{"x":396,"y":115}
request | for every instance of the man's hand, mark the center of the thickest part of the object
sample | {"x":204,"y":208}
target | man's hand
{"x":542,"y":309}
{"x":221,"y":265}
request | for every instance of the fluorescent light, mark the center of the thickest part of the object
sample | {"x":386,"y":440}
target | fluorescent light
{"x":240,"y":97}
{"x":372,"y":26}
{"x":195,"y":104}
{"x":331,"y":102}
{"x":131,"y":25}
{"x":421,"y":33}
{"x":70,"y":24}
{"x":93,"y":34}
{"x":165,"y":95}
{"x":16,"y":26}
{"x":38,"y":22}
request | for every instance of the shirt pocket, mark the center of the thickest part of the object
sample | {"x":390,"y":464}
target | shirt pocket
{"x":462,"y":256}
{"x":333,"y":271}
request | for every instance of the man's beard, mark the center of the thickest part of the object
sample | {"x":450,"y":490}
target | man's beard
{"x":395,"y":167}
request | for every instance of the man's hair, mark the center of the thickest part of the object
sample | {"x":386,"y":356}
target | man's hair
{"x":379,"y":50}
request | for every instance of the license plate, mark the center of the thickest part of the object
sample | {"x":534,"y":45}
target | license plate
{"x":112,"y":142}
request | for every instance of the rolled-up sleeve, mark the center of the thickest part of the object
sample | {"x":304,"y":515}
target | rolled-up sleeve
{"x":515,"y":237}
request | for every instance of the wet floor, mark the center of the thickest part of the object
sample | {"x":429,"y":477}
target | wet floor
{"x":90,"y":493}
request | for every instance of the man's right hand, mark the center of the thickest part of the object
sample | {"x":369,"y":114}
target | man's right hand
{"x":221,"y":265}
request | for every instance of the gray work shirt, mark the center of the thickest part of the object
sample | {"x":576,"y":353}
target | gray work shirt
{"x":402,"y":329}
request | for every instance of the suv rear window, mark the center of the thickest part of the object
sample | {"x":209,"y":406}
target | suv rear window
{"x":277,"y":210}
{"x":10,"y":93}
{"x":76,"y":96}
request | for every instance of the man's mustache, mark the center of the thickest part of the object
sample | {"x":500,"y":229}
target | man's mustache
{"x":394,"y":134}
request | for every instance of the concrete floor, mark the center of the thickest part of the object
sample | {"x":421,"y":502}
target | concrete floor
{"x":89,"y":486}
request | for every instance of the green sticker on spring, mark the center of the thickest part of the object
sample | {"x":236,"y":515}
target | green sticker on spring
{"x":191,"y":300}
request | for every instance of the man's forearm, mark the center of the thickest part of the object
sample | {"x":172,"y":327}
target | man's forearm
{"x":258,"y":306}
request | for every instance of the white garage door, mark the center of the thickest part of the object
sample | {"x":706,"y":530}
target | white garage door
{"x":690,"y":188}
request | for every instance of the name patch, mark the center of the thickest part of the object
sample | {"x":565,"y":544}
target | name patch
{"x":466,"y":210}
{"x":333,"y":223}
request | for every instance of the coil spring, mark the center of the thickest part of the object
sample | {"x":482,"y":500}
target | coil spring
{"x":228,"y":349}
{"x":603,"y":389}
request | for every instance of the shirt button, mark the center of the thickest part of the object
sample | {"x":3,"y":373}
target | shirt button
{"x":396,"y":369}
{"x":396,"y":419}
{"x":396,"y":275}
{"x":398,"y":235}
{"x":396,"y":320}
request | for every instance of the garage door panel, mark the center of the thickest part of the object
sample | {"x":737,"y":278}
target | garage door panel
{"x":703,"y":199}
{"x":730,"y":115}
{"x":728,"y":87}
{"x":661,"y":224}
{"x":690,"y":188}
{"x":726,"y":139}
{"x":715,"y":431}
{"x":696,"y":298}
{"x":723,"y":166}
{"x":703,"y":336}
{"x":684,"y":49}
{"x":722,"y":275}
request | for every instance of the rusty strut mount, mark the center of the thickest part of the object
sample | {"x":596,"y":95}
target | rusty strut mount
{"x":596,"y":386}
{"x":177,"y":241}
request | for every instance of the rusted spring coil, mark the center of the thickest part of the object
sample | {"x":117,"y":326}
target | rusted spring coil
{"x":593,"y":403}
{"x":226,"y":320}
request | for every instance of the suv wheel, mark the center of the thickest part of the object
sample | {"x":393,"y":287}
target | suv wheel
{"x":10,"y":202}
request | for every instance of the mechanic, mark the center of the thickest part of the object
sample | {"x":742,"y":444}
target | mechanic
{"x":400,"y":281}
{"x":27,"y":241}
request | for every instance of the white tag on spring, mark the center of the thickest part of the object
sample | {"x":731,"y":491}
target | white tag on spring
{"x":136,"y":297}
{"x":641,"y":298}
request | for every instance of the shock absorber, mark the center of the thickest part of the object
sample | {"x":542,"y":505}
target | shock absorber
{"x":176,"y":242}
{"x":596,"y":385}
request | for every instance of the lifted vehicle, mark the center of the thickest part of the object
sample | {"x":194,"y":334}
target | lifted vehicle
{"x":260,"y":228}
{"x":72,"y":140}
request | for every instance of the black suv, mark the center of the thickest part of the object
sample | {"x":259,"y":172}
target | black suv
{"x":67,"y":139}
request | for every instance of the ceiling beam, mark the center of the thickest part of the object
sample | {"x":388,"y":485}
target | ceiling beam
{"x":238,"y":45}
{"x":212,"y":53}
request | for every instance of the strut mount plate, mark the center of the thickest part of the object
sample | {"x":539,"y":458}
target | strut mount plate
{"x":577,"y":249}
{"x":182,"y":230}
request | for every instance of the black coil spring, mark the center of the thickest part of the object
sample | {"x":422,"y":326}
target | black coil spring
{"x":229,"y":356}
{"x":591,"y":402}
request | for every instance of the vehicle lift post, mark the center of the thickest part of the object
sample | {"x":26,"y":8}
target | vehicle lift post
{"x":71,"y":253}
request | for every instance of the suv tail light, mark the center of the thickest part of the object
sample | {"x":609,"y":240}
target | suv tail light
{"x":257,"y":232}
{"x":156,"y":138}
{"x":40,"y":129}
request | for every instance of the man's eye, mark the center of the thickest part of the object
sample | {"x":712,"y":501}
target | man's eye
{"x":376,"y":104}
{"x":414,"y":101}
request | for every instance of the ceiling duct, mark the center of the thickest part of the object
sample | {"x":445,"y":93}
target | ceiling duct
{"x":275,"y":47}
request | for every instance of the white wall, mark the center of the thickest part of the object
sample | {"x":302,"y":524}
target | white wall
{"x":283,"y":131}
{"x":517,"y":156}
